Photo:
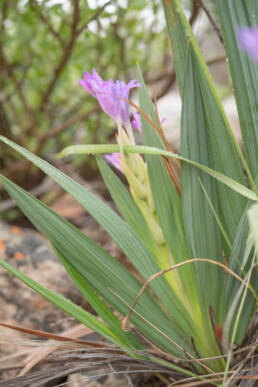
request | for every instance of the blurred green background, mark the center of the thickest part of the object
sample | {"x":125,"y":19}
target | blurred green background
{"x":46,"y":46}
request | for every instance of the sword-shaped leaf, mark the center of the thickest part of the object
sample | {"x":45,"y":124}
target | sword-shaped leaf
{"x":101,"y":271}
{"x":201,"y":227}
{"x":222,"y":149}
{"x":119,"y":230}
{"x":166,"y":197}
{"x":234,"y":14}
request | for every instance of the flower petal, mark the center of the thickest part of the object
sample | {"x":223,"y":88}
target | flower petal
{"x":108,"y":94}
{"x":136,"y":121}
{"x":114,"y":159}
{"x":248,"y":41}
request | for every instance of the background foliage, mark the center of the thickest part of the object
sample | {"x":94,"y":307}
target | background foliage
{"x":45,"y":47}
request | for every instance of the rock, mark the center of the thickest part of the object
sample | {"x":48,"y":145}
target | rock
{"x":32,"y":254}
{"x":112,"y":380}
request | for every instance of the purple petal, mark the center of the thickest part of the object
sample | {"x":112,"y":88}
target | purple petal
{"x":136,"y":121}
{"x":248,"y":41}
{"x":114,"y":159}
{"x":108,"y":94}
{"x":92,"y":83}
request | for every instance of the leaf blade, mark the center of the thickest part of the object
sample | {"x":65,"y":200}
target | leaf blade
{"x":201,"y":227}
{"x":121,"y":232}
{"x":244,"y":72}
{"x":61,"y":302}
{"x":224,"y":151}
{"x":103,"y":273}
{"x":150,"y":150}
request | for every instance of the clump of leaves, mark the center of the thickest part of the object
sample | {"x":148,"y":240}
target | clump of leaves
{"x":184,"y":226}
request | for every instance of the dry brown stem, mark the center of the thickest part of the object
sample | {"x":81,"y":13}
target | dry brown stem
{"x":162,"y":272}
{"x":212,"y":21}
{"x":74,"y":34}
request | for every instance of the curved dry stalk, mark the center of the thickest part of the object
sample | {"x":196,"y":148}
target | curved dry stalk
{"x":162,"y":272}
{"x":163,"y":334}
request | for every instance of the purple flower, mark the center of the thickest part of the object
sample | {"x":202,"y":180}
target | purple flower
{"x":248,"y":41}
{"x":114,"y":159}
{"x":108,"y":93}
{"x":136,"y":121}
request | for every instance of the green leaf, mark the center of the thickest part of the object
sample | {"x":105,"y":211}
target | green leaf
{"x":252,"y":215}
{"x":97,"y":304}
{"x":169,"y":210}
{"x":239,"y":318}
{"x":244,"y":71}
{"x":91,"y":149}
{"x":241,"y":268}
{"x":149,"y":150}
{"x":201,"y":227}
{"x":223,"y":150}
{"x":167,"y":200}
{"x":101,"y":271}
{"x":122,"y":233}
